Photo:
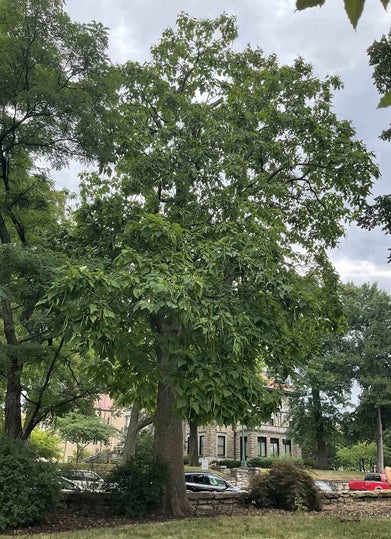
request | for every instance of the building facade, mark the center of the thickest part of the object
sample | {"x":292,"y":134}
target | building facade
{"x":269,"y":439}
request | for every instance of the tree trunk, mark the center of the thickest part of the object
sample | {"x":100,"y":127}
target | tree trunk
{"x":193,"y":444}
{"x":168,"y":446}
{"x":12,"y":410}
{"x":134,"y":427}
{"x":379,"y":440}
{"x":322,"y":461}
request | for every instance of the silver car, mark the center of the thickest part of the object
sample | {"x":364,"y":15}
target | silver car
{"x":208,"y":482}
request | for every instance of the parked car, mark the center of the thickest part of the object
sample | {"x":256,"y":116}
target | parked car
{"x":371,"y":481}
{"x":69,"y":486}
{"x":85,"y":479}
{"x":208,"y":482}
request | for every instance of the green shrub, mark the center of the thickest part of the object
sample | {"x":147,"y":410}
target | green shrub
{"x":286,"y":486}
{"x":268,"y":462}
{"x":229,"y":463}
{"x":144,"y":445}
{"x":137,"y":486}
{"x":28,"y":487}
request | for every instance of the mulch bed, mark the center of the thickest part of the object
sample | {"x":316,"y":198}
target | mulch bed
{"x":67,"y":519}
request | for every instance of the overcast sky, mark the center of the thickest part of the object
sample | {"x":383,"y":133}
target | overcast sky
{"x":322,"y":36}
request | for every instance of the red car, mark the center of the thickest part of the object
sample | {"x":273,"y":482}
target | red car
{"x":372,"y":481}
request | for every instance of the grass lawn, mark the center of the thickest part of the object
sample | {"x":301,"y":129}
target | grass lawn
{"x":290,"y":526}
{"x":336,"y":475}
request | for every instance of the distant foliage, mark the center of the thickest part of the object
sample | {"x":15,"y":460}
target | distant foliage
{"x":137,"y":486}
{"x":46,"y":444}
{"x":286,"y":486}
{"x":28,"y":487}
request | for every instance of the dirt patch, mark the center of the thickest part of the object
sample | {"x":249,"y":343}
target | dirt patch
{"x":68,"y":519}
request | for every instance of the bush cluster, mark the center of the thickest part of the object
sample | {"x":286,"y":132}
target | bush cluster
{"x":28,"y":487}
{"x":137,"y":486}
{"x":286,"y":486}
{"x":268,"y":462}
{"x":229,"y":463}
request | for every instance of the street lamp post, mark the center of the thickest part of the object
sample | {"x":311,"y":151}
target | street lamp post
{"x":243,"y":463}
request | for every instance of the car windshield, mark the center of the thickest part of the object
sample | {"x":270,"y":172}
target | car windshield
{"x":217,"y":481}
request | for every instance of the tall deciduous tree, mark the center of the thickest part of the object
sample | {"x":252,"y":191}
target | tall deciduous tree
{"x":54,"y":89}
{"x":233,"y":176}
{"x":370,"y":339}
{"x":322,"y":390}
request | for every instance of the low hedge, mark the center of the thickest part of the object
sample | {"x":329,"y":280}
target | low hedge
{"x":268,"y":462}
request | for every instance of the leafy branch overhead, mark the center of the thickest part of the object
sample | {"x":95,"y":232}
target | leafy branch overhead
{"x":353,"y":8}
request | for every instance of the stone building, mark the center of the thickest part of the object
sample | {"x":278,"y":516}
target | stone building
{"x":269,"y":439}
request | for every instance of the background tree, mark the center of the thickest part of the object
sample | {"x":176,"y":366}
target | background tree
{"x":360,"y":456}
{"x":55,"y":83}
{"x":369,"y":338}
{"x":83,"y":430}
{"x":322,"y":391}
{"x":233,"y":176}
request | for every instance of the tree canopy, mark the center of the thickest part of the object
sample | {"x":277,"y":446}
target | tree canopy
{"x":83,"y":430}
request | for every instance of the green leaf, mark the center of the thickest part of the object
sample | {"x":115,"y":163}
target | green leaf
{"x":303,"y":4}
{"x":385,"y":3}
{"x":354,"y":10}
{"x":385,"y":101}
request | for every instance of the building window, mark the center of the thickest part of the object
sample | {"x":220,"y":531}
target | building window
{"x":221,"y":446}
{"x":275,"y":447}
{"x":271,"y":422}
{"x":202,"y":445}
{"x":262,"y":446}
{"x":287,"y":447}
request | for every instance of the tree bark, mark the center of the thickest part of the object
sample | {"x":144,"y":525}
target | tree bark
{"x":193,"y":444}
{"x":168,"y":446}
{"x":134,"y":427}
{"x":379,"y":440}
{"x":322,"y":460}
{"x":12,"y":411}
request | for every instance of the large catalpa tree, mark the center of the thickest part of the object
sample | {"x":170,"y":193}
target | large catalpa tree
{"x":232,"y":177}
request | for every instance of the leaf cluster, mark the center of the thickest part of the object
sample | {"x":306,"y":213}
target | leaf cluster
{"x":353,"y":8}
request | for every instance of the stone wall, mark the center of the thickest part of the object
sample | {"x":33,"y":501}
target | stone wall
{"x":215,"y":502}
{"x":244,"y":477}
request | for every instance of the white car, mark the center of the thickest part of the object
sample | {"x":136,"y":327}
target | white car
{"x":85,"y":479}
